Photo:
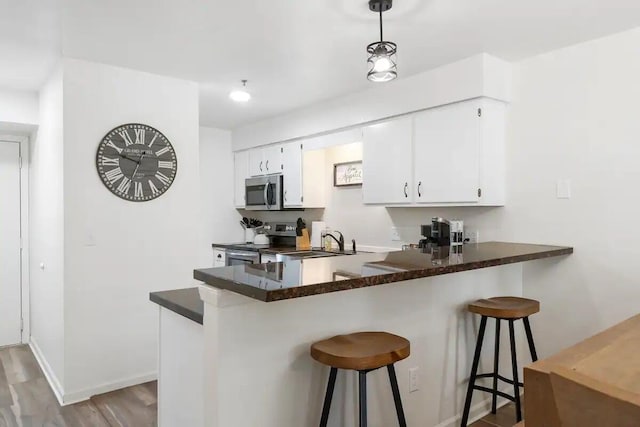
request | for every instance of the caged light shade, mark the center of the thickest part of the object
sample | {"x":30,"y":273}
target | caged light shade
{"x":382,"y":62}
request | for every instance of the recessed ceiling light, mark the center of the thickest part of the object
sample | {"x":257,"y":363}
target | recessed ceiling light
{"x":240,"y":95}
{"x":382,"y":54}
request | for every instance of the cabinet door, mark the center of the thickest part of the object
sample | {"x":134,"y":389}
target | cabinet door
{"x":447,"y":154}
{"x":387,"y":162}
{"x":272,"y":156}
{"x":256,"y":162}
{"x":241,"y":172}
{"x":292,"y":174}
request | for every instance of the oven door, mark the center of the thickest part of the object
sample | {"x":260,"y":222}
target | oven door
{"x":241,"y":258}
{"x":264,"y":193}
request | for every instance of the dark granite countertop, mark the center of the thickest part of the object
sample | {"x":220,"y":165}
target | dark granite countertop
{"x":306,"y":277}
{"x":185,"y":302}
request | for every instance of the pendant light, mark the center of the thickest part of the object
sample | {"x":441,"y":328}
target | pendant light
{"x":382,"y":54}
{"x":241,"y":95}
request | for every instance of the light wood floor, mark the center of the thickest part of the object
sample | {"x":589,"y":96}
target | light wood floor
{"x":27,"y":401}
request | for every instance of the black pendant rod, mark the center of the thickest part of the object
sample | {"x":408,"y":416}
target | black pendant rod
{"x":381,"y":39}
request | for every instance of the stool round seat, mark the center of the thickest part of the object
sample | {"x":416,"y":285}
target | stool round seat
{"x":505,"y":307}
{"x":361,"y":351}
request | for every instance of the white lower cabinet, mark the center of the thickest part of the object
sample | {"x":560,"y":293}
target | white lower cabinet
{"x":452,"y":155}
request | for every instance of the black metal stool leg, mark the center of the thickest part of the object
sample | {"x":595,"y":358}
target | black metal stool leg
{"x":396,"y":395}
{"x":363,"y":398}
{"x":514,"y":363}
{"x":532,"y":346}
{"x":327,"y":398}
{"x":474,"y":372}
{"x":496,"y":357}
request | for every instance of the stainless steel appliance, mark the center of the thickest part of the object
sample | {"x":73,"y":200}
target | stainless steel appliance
{"x":264,"y":193}
{"x":438,"y":233}
{"x":238,"y":257}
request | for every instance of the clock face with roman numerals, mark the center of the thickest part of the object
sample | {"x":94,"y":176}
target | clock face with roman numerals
{"x":136,"y":162}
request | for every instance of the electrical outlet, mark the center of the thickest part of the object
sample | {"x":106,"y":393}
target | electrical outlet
{"x":395,"y":235}
{"x":414,"y":379}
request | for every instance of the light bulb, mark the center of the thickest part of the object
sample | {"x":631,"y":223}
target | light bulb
{"x":240,"y":95}
{"x":381,"y":64}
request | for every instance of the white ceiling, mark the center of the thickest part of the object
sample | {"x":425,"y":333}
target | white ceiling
{"x":293,"y":52}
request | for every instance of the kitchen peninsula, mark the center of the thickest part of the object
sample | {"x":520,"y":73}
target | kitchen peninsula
{"x":260,"y":319}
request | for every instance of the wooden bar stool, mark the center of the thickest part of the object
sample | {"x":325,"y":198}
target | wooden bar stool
{"x":363,"y":352}
{"x":500,"y":308}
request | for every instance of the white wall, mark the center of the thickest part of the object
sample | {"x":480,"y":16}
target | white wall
{"x":19,"y":107}
{"x":479,"y":75}
{"x":574,"y":116}
{"x":46,"y":227}
{"x":116,"y":252}
{"x":219,"y":217}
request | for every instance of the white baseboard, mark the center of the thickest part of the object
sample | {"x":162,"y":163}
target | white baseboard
{"x":65,"y":399}
{"x":477,"y":412}
{"x":51,"y":377}
{"x":86,"y":394}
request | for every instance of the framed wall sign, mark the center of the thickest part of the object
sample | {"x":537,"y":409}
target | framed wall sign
{"x":347,"y":174}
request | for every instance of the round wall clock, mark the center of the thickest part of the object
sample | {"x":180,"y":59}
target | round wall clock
{"x":136,"y":162}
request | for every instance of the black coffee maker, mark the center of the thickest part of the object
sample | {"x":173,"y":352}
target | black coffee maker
{"x":438,"y":233}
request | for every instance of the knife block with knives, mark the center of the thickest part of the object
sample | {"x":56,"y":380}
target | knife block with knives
{"x":303,"y":242}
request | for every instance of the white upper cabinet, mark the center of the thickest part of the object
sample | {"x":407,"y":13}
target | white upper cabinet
{"x":256,"y":162}
{"x":241,"y":172}
{"x":266,"y":160}
{"x":272,"y":159}
{"x":292,"y":174}
{"x":447,"y":153}
{"x":387,"y":163}
{"x":304,"y":176}
{"x":452,"y":155}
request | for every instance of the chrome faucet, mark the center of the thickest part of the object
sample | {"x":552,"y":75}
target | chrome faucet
{"x":340,"y":241}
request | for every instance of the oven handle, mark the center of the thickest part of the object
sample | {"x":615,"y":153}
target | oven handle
{"x":243,"y":256}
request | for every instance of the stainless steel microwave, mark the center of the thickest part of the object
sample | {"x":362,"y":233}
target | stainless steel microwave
{"x":264,"y":193}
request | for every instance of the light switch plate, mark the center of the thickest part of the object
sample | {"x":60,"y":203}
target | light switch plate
{"x":563,"y":189}
{"x":395,"y":235}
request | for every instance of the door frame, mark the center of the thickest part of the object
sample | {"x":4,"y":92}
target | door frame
{"x":23,"y":141}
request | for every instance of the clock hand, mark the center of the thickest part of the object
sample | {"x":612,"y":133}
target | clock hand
{"x":136,"y":169}
{"x":128,"y":158}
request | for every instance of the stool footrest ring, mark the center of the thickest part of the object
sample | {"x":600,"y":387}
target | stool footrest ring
{"x":499,"y":393}
{"x":500,"y":377}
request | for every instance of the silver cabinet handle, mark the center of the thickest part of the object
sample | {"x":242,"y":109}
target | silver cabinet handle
{"x":406,"y":186}
{"x":285,"y":195}
{"x":419,"y":185}
{"x":260,"y":166}
{"x":267,"y":165}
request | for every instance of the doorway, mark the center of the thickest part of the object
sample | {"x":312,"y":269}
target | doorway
{"x":10,"y":244}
